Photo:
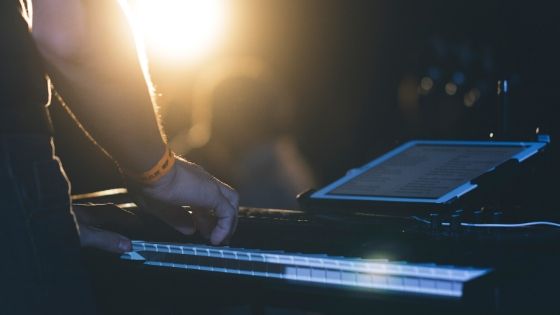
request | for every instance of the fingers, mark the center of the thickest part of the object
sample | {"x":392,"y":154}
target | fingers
{"x":233,"y":198}
{"x":229,"y":193}
{"x":104,"y":240}
{"x":226,"y":215}
{"x":192,"y":186}
{"x":205,"y":222}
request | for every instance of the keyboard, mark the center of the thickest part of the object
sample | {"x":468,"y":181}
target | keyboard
{"x":316,"y":269}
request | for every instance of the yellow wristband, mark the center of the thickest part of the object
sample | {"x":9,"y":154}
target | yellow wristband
{"x":160,"y":169}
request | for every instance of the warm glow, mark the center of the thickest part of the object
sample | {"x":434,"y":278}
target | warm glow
{"x":184,"y":29}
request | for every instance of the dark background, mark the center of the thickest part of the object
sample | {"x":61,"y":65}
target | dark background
{"x":354,"y":70}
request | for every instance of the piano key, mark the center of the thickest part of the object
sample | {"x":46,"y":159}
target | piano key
{"x":132,"y":256}
{"x":380,"y":274}
{"x":303,"y":273}
{"x":319,"y":275}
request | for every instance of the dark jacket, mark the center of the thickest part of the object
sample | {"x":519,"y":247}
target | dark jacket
{"x":23,"y":83}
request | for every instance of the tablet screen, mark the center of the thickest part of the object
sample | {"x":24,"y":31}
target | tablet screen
{"x":426,"y":170}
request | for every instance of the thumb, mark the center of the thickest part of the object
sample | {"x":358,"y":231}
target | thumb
{"x":104,"y":240}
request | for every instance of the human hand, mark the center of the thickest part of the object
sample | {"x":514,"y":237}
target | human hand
{"x":214,"y":204}
{"x":90,"y":217}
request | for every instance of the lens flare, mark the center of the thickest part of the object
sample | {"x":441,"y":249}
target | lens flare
{"x":184,"y":29}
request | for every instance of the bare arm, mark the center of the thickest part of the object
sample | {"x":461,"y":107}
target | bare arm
{"x":92,"y":60}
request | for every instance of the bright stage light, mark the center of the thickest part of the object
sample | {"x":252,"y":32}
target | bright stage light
{"x":184,"y":29}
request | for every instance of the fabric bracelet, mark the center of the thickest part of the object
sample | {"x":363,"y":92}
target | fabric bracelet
{"x":160,"y":169}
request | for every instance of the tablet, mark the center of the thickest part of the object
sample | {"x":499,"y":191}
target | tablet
{"x":425,"y":171}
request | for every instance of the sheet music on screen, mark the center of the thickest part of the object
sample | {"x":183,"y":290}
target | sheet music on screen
{"x":427,"y":171}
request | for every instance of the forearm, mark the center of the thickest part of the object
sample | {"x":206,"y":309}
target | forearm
{"x":92,"y":60}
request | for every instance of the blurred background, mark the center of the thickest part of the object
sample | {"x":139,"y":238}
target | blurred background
{"x":276,"y":97}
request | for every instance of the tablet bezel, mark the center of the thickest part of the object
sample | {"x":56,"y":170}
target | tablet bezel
{"x":531,"y":148}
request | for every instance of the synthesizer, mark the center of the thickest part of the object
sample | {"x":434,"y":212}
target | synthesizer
{"x":382,"y":275}
{"x":293,"y":260}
